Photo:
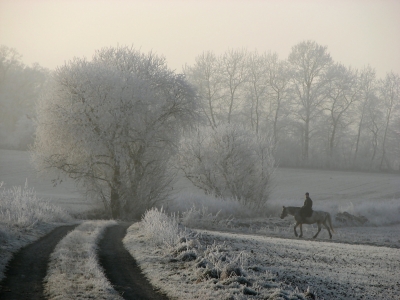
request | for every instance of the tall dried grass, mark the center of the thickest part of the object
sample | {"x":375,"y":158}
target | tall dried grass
{"x":20,"y":207}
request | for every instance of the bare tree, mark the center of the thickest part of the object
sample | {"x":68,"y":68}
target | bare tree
{"x":233,"y":72}
{"x":389,"y":92}
{"x":257,"y":87}
{"x":309,"y":62}
{"x":367,"y":88}
{"x":205,"y":75}
{"x":279,"y":89}
{"x":374,"y":125}
{"x":341,"y":94}
{"x":112,"y":124}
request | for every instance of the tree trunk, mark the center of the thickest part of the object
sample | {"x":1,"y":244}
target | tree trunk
{"x":115,"y":200}
{"x":213,"y":123}
{"x":306,"y":140}
{"x":359,"y":133}
{"x":384,"y":142}
{"x":115,"y":204}
{"x":276,"y":120}
{"x":389,"y":111}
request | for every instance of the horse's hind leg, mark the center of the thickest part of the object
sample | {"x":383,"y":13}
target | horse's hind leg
{"x":319,"y":229}
{"x":295,"y":231}
{"x":301,"y":230}
{"x":329,"y":231}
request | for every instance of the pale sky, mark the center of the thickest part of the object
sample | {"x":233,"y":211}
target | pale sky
{"x":51,"y":32}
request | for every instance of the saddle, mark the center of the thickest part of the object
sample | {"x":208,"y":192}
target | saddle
{"x":306,"y":212}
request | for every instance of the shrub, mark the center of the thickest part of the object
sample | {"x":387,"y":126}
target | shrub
{"x":229,"y":162}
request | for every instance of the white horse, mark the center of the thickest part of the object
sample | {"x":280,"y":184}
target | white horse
{"x":319,"y":217}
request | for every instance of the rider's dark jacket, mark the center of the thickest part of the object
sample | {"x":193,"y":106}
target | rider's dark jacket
{"x":306,"y":210}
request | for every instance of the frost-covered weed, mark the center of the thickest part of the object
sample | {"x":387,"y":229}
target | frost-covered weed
{"x":163,"y":230}
{"x":19,"y":206}
{"x":24,"y":217}
{"x":217,"y":261}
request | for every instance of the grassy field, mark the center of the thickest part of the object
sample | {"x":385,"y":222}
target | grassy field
{"x":335,"y":191}
{"x":330,"y":190}
{"x":336,"y":185}
{"x":16,"y":170}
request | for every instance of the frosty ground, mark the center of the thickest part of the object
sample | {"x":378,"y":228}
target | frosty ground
{"x":360,"y":262}
{"x":271,"y":267}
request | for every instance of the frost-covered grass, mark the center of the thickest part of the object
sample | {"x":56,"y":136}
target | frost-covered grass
{"x":74,"y":271}
{"x":20,"y":207}
{"x":24,"y":218}
{"x":217,"y":265}
{"x":197,"y":266}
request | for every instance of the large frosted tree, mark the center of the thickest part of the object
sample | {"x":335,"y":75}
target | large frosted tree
{"x":111,"y":124}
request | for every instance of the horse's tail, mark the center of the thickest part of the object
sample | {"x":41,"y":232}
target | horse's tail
{"x":328,"y":217}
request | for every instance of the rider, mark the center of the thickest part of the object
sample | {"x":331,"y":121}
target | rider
{"x":306,"y":210}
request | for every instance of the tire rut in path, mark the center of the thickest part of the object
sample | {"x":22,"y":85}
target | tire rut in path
{"x":121,"y":268}
{"x":27,"y":269}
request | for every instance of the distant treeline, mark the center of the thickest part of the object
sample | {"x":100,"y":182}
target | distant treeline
{"x":20,"y":87}
{"x":318,"y":113}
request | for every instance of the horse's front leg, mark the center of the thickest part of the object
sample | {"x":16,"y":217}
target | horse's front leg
{"x":301,"y":230}
{"x":295,"y":231}
{"x":319,"y":229}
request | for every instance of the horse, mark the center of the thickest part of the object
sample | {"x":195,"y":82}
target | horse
{"x":319,"y":217}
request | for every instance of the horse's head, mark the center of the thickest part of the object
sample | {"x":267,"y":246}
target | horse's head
{"x":284,"y":212}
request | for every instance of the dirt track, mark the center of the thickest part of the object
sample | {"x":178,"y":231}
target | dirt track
{"x":26,"y":271}
{"x":121,"y":269}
